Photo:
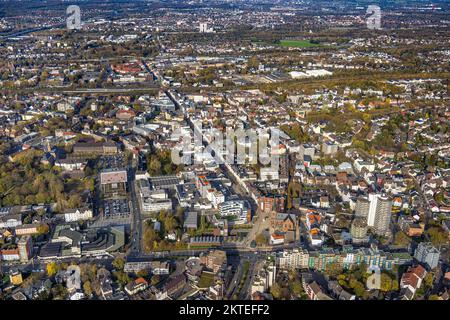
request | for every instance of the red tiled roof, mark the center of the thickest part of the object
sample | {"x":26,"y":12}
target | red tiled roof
{"x":9,"y":251}
{"x":418,"y":271}
{"x":410,"y":279}
{"x":140,"y":280}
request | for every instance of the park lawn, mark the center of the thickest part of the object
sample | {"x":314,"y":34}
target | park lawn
{"x":297,"y":43}
{"x":206,"y":280}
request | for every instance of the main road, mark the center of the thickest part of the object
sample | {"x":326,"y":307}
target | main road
{"x":136,"y":226}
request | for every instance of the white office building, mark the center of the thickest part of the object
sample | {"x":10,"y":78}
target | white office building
{"x":78,"y":214}
{"x":238,"y":208}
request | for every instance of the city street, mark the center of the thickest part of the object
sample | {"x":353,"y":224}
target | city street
{"x":136,"y":249}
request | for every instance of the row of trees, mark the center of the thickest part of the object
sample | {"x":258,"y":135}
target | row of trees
{"x":123,"y":278}
{"x":156,"y":240}
{"x":288,"y":288}
{"x":89,"y":277}
{"x":296,"y":132}
{"x":160,"y":163}
{"x":26,"y":181}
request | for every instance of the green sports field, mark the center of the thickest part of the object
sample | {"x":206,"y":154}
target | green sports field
{"x":297,"y":43}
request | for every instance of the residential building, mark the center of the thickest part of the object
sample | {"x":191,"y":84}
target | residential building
{"x":174,"y":284}
{"x":382,"y":217}
{"x":136,"y":286}
{"x":291,"y":260}
{"x":377,"y":210}
{"x":271,"y":203}
{"x":338,"y":292}
{"x":135,"y":265}
{"x":362,"y":208}
{"x":359,"y":230}
{"x":25,"y":246}
{"x":10,"y":220}
{"x":73,"y":215}
{"x":27,"y":229}
{"x":314,"y":291}
{"x":10,"y":254}
{"x":329,"y":148}
{"x":428,"y":254}
{"x":87,"y":149}
{"x":160,"y":267}
{"x":411,"y":281}
{"x":237,"y":208}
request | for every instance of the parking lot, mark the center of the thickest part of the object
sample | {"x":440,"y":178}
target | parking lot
{"x":116,"y":208}
{"x":110,"y":162}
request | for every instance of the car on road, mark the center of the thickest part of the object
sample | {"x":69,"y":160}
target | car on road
{"x":253,"y":244}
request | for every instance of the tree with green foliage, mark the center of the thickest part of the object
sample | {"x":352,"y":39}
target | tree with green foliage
{"x":154,"y":167}
{"x":155,"y":279}
{"x":428,"y":280}
{"x":119,"y":263}
{"x":59,"y":292}
{"x":334,"y":269}
{"x":401,"y":239}
{"x":52,"y":268}
{"x":261,"y":239}
{"x":437,"y":235}
{"x":88,"y":272}
{"x":43,"y":229}
{"x":142,"y":273}
{"x":121,"y":278}
{"x":359,"y":289}
{"x":150,"y":238}
{"x":386,"y":282}
{"x":296,"y":132}
{"x":297,"y":287}
{"x":276,"y":292}
{"x":170,"y":223}
{"x":253,"y":62}
{"x":87,"y":288}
